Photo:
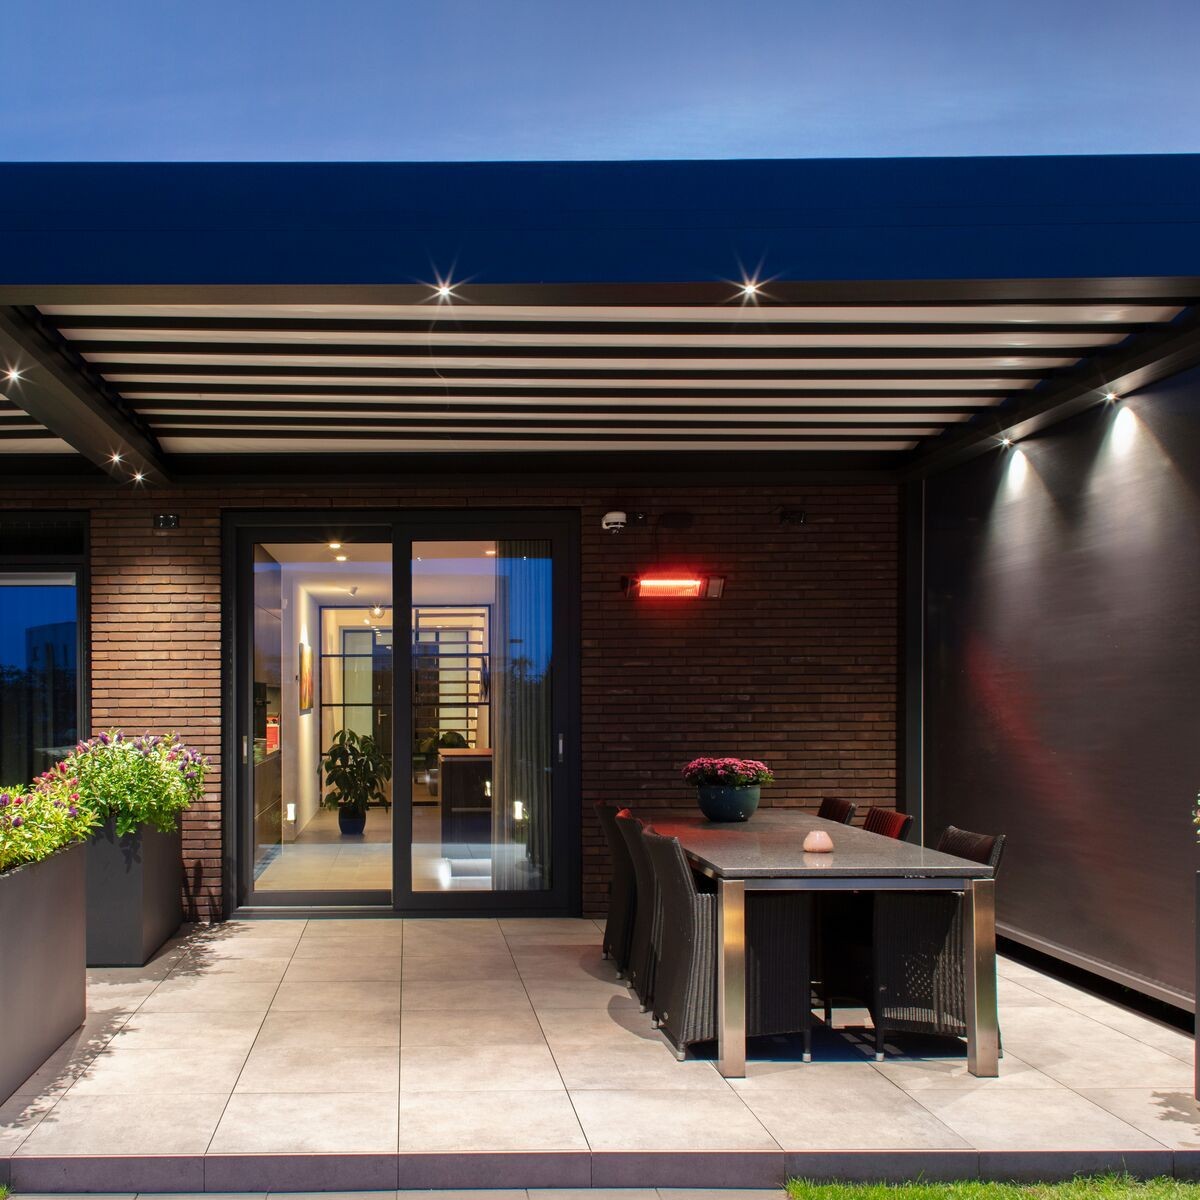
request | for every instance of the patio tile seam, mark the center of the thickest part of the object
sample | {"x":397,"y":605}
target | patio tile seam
{"x":250,"y":1050}
{"x":550,"y":1049}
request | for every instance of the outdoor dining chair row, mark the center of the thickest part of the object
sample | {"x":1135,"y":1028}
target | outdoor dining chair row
{"x":897,"y":954}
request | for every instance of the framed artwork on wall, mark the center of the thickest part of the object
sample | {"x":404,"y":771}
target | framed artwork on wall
{"x":306,"y":678}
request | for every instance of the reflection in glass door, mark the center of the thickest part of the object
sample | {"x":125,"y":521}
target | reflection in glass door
{"x":322,"y":677}
{"x":482,"y":683}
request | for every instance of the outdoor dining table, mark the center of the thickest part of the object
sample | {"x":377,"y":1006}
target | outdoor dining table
{"x":766,"y":854}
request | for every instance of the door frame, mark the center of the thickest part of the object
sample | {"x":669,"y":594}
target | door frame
{"x":240,"y":530}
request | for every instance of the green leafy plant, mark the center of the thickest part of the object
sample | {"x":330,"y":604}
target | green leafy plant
{"x":147,"y":780}
{"x":356,"y":768}
{"x":35,"y":823}
{"x":449,"y":739}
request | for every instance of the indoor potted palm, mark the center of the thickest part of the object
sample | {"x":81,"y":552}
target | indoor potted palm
{"x":138,"y":786}
{"x":356,"y":768}
{"x":727,"y":789}
{"x":43,"y":920}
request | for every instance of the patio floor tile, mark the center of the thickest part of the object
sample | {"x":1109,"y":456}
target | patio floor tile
{"x":71,"y":1059}
{"x":317,"y":1122}
{"x":465,"y":1122}
{"x":19,"y":1117}
{"x":577,"y":993}
{"x":637,"y":1066}
{"x":455,"y":996}
{"x":139,"y":1071}
{"x":1081,"y":1052}
{"x":1018,"y":1119}
{"x":465,"y":1028}
{"x":618,"y":1023}
{"x":656,"y":1120}
{"x":349,"y":999}
{"x":210,"y":994}
{"x":460,"y":967}
{"x":329,"y":1069}
{"x":253,"y":968}
{"x":1170,"y":1118}
{"x":321,"y":1030}
{"x":345,"y":968}
{"x":187,"y":1031}
{"x":831,"y":1109}
{"x":107,"y":1125}
{"x":479,"y":1068}
{"x":922,"y":1074}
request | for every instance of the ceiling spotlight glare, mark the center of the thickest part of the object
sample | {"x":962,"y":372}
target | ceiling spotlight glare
{"x":1111,"y":396}
{"x":13,"y":374}
{"x":335,"y":545}
{"x":749,"y":289}
{"x":444,"y":291}
{"x":116,"y":456}
{"x":377,"y":610}
{"x":1006,"y":442}
{"x":340,"y":558}
{"x":139,"y":476}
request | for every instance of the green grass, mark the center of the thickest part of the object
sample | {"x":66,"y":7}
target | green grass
{"x":1101,"y":1187}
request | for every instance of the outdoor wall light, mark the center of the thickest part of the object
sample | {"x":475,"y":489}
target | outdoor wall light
{"x":166,"y":521}
{"x":674,"y":586}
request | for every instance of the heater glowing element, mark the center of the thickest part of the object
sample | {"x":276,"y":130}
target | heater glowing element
{"x":675,"y":586}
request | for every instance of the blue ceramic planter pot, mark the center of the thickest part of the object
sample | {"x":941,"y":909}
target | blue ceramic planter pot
{"x":722,"y":802}
{"x":351,"y":824}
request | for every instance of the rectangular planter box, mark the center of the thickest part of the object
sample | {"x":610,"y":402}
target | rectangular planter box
{"x":43,"y":920}
{"x":134,"y":895}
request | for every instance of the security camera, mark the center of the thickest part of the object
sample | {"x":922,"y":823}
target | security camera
{"x":613,"y":522}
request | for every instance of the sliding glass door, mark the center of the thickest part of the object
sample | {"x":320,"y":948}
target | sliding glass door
{"x":425,"y":663}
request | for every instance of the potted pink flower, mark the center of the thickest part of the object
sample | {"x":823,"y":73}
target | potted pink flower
{"x":727,"y":789}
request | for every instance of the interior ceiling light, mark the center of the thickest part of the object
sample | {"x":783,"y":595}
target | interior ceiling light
{"x":377,"y":610}
{"x":138,"y":476}
{"x":340,"y":558}
{"x":335,"y":545}
{"x":749,"y":289}
{"x":676,"y":585}
{"x":13,"y":374}
{"x":1111,"y":396}
{"x":116,"y":456}
{"x":491,"y":553}
{"x":1006,"y":442}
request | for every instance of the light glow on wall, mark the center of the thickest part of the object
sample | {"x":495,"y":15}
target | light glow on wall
{"x":1124,"y":432}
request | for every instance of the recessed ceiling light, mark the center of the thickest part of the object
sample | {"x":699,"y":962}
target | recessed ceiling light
{"x":138,"y":476}
{"x":749,"y":288}
{"x":1110,"y":396}
{"x":492,"y":552}
{"x":1006,"y":442}
{"x":335,"y":545}
{"x":13,"y":374}
{"x":116,"y":456}
{"x":340,"y":558}
{"x":444,"y":291}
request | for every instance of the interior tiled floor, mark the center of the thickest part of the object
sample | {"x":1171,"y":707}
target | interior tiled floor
{"x":293,"y":1036}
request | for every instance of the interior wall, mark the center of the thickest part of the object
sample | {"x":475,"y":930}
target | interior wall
{"x":1062,"y":653}
{"x":300,"y":731}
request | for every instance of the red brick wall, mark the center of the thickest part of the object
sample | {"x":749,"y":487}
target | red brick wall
{"x":795,"y":665}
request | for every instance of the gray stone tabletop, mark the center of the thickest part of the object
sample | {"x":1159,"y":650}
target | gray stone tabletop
{"x":770,"y":846}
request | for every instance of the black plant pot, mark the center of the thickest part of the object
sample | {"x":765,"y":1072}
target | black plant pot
{"x":135,"y":894}
{"x":43,"y":918}
{"x":724,"y":802}
{"x":351,"y":823}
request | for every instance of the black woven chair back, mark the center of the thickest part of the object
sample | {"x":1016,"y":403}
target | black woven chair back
{"x":642,"y":948}
{"x":833,"y":809}
{"x":978,"y":847}
{"x":888,"y":823}
{"x":622,"y":891}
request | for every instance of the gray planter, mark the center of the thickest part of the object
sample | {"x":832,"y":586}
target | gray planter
{"x":42,"y":980}
{"x":135,"y":895}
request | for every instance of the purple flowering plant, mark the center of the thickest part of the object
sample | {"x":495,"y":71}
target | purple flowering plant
{"x":728,"y":772}
{"x":147,"y":780}
{"x":36,"y":822}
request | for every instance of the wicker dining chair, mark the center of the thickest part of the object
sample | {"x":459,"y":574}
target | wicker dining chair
{"x":833,"y":809}
{"x":643,"y":945}
{"x":622,"y":892}
{"x":888,"y":823}
{"x":919,"y":983}
{"x":778,"y":938}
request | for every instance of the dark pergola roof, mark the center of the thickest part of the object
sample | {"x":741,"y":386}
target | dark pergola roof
{"x":907,"y":312}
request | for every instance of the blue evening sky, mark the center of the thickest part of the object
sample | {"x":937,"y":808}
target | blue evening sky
{"x":559,"y":79}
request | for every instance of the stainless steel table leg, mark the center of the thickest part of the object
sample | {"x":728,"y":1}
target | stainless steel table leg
{"x":731,"y":977}
{"x":983,"y":1025}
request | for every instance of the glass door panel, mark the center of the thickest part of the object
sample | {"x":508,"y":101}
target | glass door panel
{"x":482,"y":681}
{"x":321,"y":671}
